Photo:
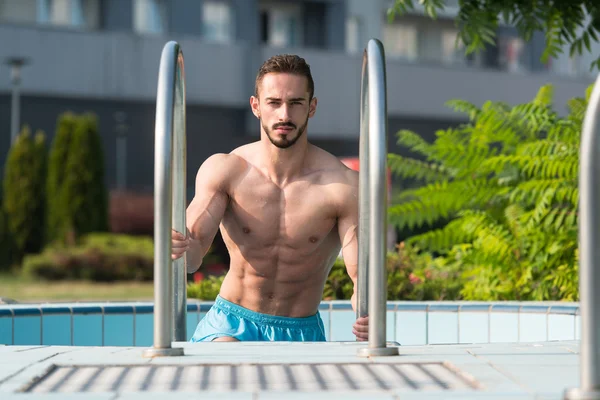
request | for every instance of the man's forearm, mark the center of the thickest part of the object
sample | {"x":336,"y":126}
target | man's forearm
{"x":194,"y":256}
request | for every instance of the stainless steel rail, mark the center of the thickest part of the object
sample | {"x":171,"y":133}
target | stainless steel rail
{"x":373,"y":200}
{"x":589,"y":252}
{"x":169,"y":203}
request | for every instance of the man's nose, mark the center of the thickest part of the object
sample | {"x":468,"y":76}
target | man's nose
{"x":284,"y":113}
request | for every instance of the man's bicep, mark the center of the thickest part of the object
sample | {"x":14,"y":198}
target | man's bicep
{"x":349,"y":239}
{"x":348,"y":224}
{"x":348,"y":231}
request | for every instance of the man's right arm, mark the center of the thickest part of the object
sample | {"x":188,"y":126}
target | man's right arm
{"x":206,"y":210}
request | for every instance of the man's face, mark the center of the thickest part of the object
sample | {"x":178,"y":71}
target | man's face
{"x":283,"y":107}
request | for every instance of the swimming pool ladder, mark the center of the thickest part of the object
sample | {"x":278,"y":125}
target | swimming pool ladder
{"x":169,"y":197}
{"x":170,"y":303}
{"x":589,"y":253}
{"x":372,"y":223}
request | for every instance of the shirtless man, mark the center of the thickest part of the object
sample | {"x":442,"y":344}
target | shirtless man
{"x":285,"y":209}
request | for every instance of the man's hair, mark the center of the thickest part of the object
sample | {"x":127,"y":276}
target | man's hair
{"x":286,"y":63}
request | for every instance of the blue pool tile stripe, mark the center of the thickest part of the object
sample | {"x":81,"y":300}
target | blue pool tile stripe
{"x":411,"y":307}
{"x":443,"y":308}
{"x":6,"y":312}
{"x":538,"y":309}
{"x":144,"y":309}
{"x":325,"y":306}
{"x":204,"y":307}
{"x":86,"y":309}
{"x":505,"y":308}
{"x":345,"y":305}
{"x":49,"y":310}
{"x":571,"y":310}
{"x":475,"y":307}
{"x":193,"y":307}
{"x":117,"y":309}
{"x":27,"y":311}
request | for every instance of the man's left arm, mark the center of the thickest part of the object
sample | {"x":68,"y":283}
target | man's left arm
{"x":348,"y":232}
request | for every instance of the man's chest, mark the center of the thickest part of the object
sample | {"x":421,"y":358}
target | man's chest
{"x":301,"y":213}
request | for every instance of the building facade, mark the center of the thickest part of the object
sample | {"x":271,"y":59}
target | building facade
{"x":103,"y":56}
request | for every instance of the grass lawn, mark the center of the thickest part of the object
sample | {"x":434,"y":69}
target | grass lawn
{"x":29,"y":291}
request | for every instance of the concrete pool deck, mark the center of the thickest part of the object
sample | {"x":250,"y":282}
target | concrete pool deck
{"x":276,"y":370}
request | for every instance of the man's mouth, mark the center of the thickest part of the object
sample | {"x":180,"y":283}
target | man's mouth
{"x":284,"y":129}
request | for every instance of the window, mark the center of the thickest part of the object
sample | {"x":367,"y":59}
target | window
{"x":353,"y":34}
{"x":400,"y":41}
{"x":18,"y":10}
{"x":576,"y":66}
{"x":416,"y":38}
{"x":217,"y":21}
{"x":453,"y":49}
{"x":281,"y":24}
{"x":511,"y":54}
{"x":149,"y":16}
{"x":43,"y":11}
{"x":67,"y":13}
{"x":77,"y":13}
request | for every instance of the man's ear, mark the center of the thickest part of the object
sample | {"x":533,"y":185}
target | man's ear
{"x":312,"y":107}
{"x":254,"y":105}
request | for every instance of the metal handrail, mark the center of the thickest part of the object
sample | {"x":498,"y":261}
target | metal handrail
{"x":589,"y":252}
{"x":373,"y":200}
{"x":169,"y":203}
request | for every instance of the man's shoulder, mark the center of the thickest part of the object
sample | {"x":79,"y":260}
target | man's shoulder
{"x":224,"y":161}
{"x":333,"y":169}
{"x":222,"y":168}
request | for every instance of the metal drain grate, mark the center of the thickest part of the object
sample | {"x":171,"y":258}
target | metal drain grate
{"x":250,"y":378}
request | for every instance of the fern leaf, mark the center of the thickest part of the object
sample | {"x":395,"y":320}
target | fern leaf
{"x":464,"y":107}
{"x":410,"y":168}
{"x":414,"y":142}
{"x":441,"y":240}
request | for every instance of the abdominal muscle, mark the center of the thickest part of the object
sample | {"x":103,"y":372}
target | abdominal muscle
{"x":282,"y":289}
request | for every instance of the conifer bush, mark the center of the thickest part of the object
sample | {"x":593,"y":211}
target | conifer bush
{"x":85,"y":193}
{"x":6,"y":244}
{"x":23,"y":200}
{"x":78,"y":199}
{"x":506,"y":186}
{"x":56,"y":212}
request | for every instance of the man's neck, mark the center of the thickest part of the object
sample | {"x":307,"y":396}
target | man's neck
{"x":283,"y":165}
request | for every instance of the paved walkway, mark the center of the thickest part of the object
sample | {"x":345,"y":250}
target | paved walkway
{"x":252,"y":371}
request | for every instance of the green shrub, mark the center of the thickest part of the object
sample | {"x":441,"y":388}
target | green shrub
{"x":206,"y":289}
{"x":55,"y":205}
{"x":410,"y":276}
{"x":6,"y":243}
{"x":23,"y":188}
{"x":505,"y":184}
{"x":99,"y":257}
{"x":78,"y":197}
{"x":85,"y":191}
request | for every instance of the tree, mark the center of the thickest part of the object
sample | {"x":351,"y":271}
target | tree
{"x":24,"y":195}
{"x":77,"y":196}
{"x":505,"y":184}
{"x":56,"y":207}
{"x":573,"y":23}
{"x":85,"y":195}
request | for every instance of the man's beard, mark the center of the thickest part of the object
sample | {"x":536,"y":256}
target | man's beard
{"x":283,"y":142}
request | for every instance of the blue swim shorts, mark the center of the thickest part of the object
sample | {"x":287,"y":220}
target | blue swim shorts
{"x":229,"y":319}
